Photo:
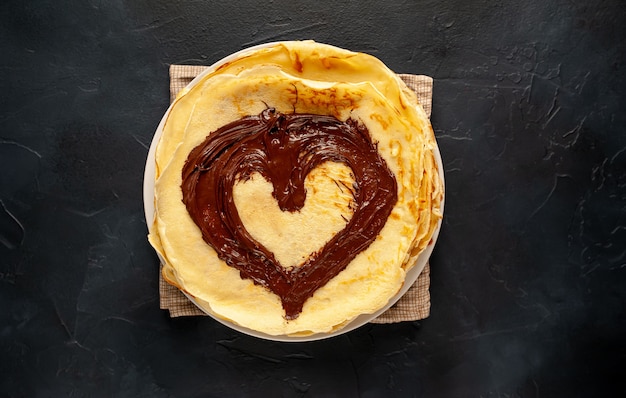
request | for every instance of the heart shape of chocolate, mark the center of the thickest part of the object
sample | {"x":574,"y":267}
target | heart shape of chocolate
{"x":284,"y":148}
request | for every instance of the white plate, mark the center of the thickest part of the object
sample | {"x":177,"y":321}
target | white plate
{"x":148,"y":196}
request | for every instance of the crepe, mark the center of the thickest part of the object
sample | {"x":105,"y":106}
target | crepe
{"x":299,"y":78}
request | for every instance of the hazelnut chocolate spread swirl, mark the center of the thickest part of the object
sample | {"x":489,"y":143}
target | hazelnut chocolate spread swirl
{"x":284,"y":148}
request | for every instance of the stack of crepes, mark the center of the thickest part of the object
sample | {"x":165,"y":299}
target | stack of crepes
{"x":295,"y":186}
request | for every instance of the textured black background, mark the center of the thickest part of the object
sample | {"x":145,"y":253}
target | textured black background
{"x":529,"y":274}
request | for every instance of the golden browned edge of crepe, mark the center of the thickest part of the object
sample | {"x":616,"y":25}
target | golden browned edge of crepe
{"x":427,"y":205}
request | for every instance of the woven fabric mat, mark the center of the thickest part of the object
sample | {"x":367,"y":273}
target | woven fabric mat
{"x":414,"y":304}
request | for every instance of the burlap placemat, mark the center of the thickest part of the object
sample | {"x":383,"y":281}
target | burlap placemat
{"x":414,"y":304}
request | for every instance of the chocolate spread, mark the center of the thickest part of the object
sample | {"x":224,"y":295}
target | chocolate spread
{"x":284,"y":148}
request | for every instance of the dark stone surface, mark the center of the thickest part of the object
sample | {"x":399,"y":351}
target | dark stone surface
{"x":529,"y":274}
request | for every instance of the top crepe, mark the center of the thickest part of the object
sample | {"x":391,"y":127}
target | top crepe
{"x":296,"y":78}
